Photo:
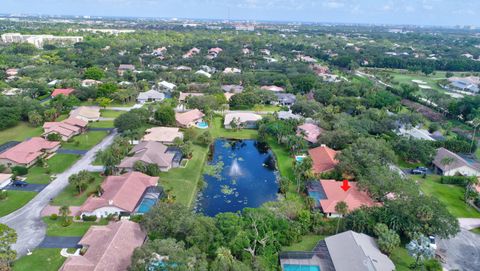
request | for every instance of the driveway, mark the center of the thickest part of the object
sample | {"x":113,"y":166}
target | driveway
{"x":29,"y":187}
{"x":79,"y":152}
{"x":27,"y":221}
{"x":60,"y":242}
{"x":461,"y":252}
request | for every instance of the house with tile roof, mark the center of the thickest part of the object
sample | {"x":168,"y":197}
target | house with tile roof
{"x":122,"y":68}
{"x":310,"y":132}
{"x":448,"y":163}
{"x":62,"y":91}
{"x":164,"y":135}
{"x":323,"y":159}
{"x":107,"y":247}
{"x":189,"y":118}
{"x":242,"y":120}
{"x":66,"y":128}
{"x":121,"y":195}
{"x":332,"y":193}
{"x":86,"y":113}
{"x":28,"y":152}
{"x":151,"y":152}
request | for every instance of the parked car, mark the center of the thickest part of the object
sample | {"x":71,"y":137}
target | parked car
{"x":433,"y":245}
{"x":19,"y":183}
{"x":419,"y":170}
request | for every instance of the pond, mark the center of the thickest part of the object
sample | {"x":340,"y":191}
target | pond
{"x":241,"y":173}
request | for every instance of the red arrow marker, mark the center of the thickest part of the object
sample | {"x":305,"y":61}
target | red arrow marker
{"x":345,"y":186}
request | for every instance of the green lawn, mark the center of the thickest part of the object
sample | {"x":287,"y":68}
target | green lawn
{"x":70,"y":197}
{"x":451,"y":195}
{"x":102,"y":124}
{"x":55,"y":228}
{"x":477,"y":153}
{"x":266,"y":108}
{"x":85,"y":141}
{"x":105,"y":113}
{"x":477,"y":230}
{"x":115,"y":104}
{"x":217,"y":131}
{"x":45,"y":259}
{"x":14,"y":201}
{"x":401,"y":259}
{"x":57,"y":164}
{"x":184,"y":181}
{"x":20,"y":132}
{"x":307,"y":244}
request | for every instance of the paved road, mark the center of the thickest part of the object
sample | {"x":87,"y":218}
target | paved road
{"x":27,"y":221}
{"x":469,"y":223}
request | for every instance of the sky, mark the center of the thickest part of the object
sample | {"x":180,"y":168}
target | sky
{"x":415,"y":12}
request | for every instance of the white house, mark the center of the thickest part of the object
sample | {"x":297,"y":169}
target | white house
{"x":243,"y":120}
{"x":150,"y":96}
{"x":167,"y":86}
{"x":448,"y":163}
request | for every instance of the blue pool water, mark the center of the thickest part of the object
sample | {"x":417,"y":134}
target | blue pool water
{"x":294,"y":267}
{"x":202,"y":125}
{"x":244,"y":176}
{"x":299,"y":158}
{"x":146,"y":205}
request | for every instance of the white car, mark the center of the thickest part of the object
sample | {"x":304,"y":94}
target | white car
{"x":433,"y":245}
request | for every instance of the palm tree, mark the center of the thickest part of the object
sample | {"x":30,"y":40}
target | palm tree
{"x":341,"y":208}
{"x":475,"y":123}
{"x":64,"y":211}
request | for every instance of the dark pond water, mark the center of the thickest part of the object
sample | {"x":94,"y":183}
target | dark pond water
{"x":240,"y":174}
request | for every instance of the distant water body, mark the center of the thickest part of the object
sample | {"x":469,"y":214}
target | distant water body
{"x":248,"y":177}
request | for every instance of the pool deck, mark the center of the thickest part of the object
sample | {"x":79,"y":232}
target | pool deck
{"x":314,"y":261}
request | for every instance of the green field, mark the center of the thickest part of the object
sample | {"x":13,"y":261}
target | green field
{"x":55,"y":228}
{"x":45,"y":259}
{"x":102,"y":124}
{"x":266,"y":108}
{"x":14,"y":201}
{"x":450,"y":195}
{"x":85,"y":141}
{"x":307,"y":244}
{"x":70,"y":197}
{"x":105,"y":113}
{"x":57,"y":164}
{"x":184,"y":181}
{"x":19,"y":133}
{"x":217,"y":131}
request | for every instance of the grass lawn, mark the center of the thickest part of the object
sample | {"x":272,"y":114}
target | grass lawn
{"x":184,"y":181}
{"x":130,"y":104}
{"x":477,"y":230}
{"x":70,"y":197}
{"x":47,"y":259}
{"x":19,"y":133}
{"x":105,"y":113}
{"x":57,"y":164}
{"x":401,"y":259}
{"x":102,"y":124}
{"x":307,"y":244}
{"x":477,"y":153}
{"x":85,"y":141}
{"x":55,"y":228}
{"x":14,"y":201}
{"x":450,"y":195}
{"x":217,"y":131}
{"x":266,"y":108}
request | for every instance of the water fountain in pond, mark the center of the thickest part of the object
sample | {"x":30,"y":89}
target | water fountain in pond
{"x":235,"y":169}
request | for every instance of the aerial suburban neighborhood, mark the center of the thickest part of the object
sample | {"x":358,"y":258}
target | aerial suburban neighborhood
{"x":258,"y":137}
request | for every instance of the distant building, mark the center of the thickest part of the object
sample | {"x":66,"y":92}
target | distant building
{"x":90,"y":82}
{"x":232,"y":71}
{"x":151,"y":152}
{"x":66,"y":128}
{"x":40,"y":40}
{"x":242,"y":120}
{"x":285,"y":99}
{"x":232,"y":88}
{"x":415,"y":133}
{"x":164,"y":85}
{"x":244,"y":27}
{"x":125,"y":67}
{"x":189,"y":118}
{"x":86,"y":113}
{"x":150,"y":96}
{"x":62,"y":91}
{"x":191,"y":52}
{"x":165,"y":135}
{"x":183,"y":97}
{"x":288,"y":115}
{"x":310,"y":132}
{"x":469,"y":84}
{"x":204,"y":73}
{"x":272,"y":88}
{"x":448,"y":163}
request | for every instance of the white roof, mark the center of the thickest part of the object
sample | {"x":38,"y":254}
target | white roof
{"x":415,"y":133}
{"x":151,"y":94}
{"x":202,"y":72}
{"x":241,"y":117}
{"x":168,"y":85}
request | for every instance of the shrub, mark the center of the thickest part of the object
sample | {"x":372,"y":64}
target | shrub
{"x":54,"y":137}
{"x":3,"y":195}
{"x":19,"y":170}
{"x":433,"y":265}
{"x":456,"y":180}
{"x":67,"y":222}
{"x":89,"y":218}
{"x":53,"y":217}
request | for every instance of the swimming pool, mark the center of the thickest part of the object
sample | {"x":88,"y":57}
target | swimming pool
{"x":202,"y":125}
{"x":146,"y":205}
{"x":297,"y":267}
{"x":299,"y":158}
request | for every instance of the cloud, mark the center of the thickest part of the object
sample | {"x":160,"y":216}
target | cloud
{"x":333,"y":4}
